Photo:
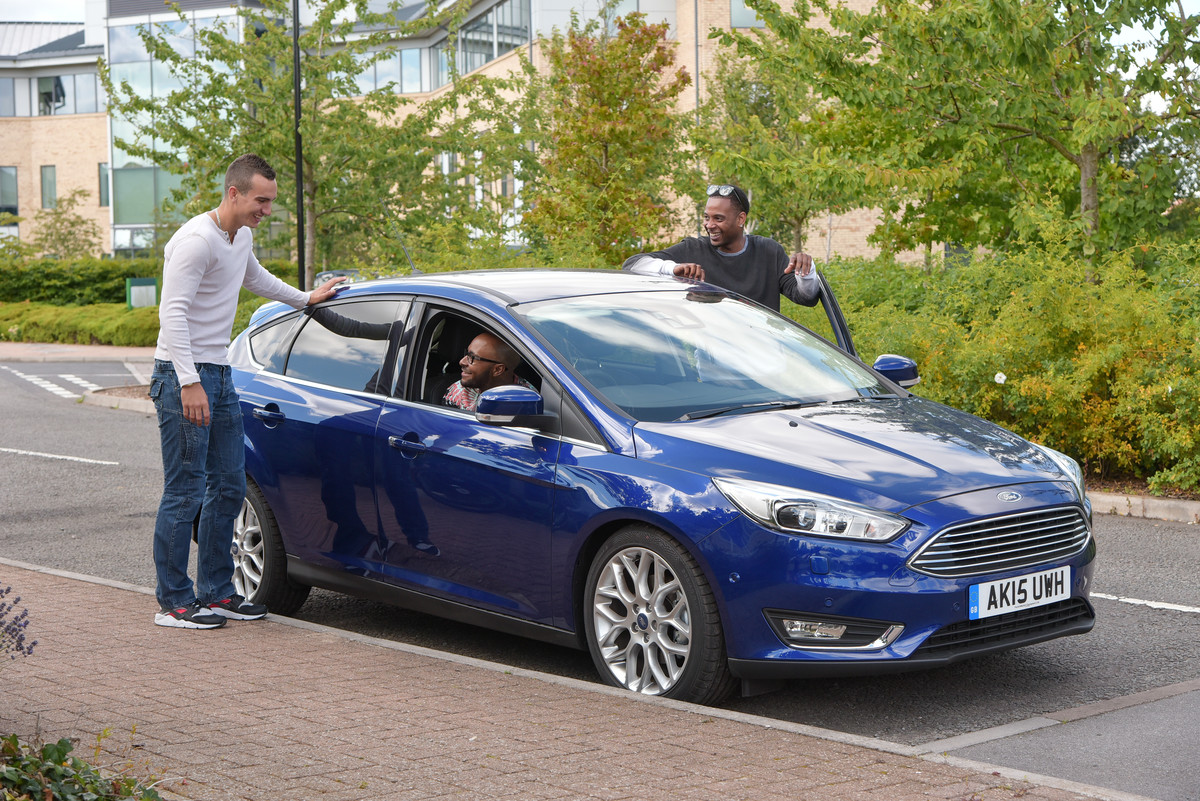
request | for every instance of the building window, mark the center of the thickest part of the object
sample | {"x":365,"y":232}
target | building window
{"x":53,"y":95}
{"x":8,"y":190}
{"x":742,"y":17}
{"x":103,"y":184}
{"x":410,"y":70}
{"x":8,"y":98}
{"x":49,"y":187}
{"x":65,"y":94}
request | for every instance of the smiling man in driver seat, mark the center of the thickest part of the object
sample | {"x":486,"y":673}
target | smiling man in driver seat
{"x":487,"y":363}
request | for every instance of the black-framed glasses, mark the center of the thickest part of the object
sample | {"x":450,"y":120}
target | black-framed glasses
{"x":472,"y":358}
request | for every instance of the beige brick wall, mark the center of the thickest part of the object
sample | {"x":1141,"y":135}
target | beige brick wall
{"x":75,"y":144}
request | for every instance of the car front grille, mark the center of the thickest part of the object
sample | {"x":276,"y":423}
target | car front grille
{"x":1027,"y":625}
{"x":999,"y":544}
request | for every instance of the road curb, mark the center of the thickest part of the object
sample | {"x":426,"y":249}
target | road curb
{"x":1146,"y":506}
{"x":98,"y":398}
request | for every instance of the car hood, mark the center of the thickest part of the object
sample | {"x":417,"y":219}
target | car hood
{"x":889,"y":453}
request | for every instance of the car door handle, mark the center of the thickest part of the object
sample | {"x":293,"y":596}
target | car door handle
{"x":268,"y":416}
{"x":402,"y":444}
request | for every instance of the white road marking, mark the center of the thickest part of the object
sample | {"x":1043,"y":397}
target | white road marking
{"x":74,"y":379}
{"x":20,"y":452}
{"x":141,"y":377}
{"x":1151,"y":604}
{"x":42,"y":383}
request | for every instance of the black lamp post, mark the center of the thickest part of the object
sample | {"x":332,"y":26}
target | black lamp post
{"x":299,"y":148}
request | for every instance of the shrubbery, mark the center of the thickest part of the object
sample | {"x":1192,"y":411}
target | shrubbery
{"x":50,"y":772}
{"x":1098,"y":359}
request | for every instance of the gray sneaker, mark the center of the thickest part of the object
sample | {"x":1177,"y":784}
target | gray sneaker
{"x":235,"y":607}
{"x":192,"y":616}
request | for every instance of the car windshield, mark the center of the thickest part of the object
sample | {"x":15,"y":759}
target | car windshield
{"x":685,"y":355}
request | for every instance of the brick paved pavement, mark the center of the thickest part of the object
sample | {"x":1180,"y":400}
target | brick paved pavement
{"x":281,"y":709}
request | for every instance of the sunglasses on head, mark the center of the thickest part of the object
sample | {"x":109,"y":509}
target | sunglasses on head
{"x":725,"y":190}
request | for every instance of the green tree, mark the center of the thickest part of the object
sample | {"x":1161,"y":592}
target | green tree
{"x":13,"y":249}
{"x":964,"y":110}
{"x":235,"y":94}
{"x":62,"y":233}
{"x":610,"y":141}
{"x":764,"y":131}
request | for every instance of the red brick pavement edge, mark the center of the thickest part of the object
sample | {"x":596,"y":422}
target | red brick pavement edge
{"x":280,"y":709}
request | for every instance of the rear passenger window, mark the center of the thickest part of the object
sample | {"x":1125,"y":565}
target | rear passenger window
{"x":345,"y":345}
{"x":265,"y":343}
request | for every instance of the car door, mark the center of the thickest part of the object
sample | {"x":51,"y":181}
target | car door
{"x":465,"y":508}
{"x":837,"y":321}
{"x":313,"y":417}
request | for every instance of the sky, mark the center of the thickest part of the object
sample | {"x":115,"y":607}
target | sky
{"x":41,"y":11}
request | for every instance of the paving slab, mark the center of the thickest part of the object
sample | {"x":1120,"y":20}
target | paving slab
{"x":283,"y":709}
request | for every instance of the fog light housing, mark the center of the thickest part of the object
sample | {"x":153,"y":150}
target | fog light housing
{"x":812,"y":629}
{"x":806,"y":631}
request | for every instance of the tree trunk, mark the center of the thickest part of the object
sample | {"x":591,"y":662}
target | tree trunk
{"x":1089,"y":191}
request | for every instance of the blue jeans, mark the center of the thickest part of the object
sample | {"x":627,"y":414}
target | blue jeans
{"x":204,"y":474}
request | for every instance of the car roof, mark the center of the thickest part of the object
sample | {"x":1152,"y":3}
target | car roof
{"x":507,"y":287}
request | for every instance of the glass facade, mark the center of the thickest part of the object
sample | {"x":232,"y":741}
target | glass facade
{"x":502,"y":29}
{"x":139,"y":188}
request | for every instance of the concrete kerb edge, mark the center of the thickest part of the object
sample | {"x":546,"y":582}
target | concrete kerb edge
{"x":98,"y":398}
{"x":870,"y":743}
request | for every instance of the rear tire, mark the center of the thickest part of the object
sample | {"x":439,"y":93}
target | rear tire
{"x":259,"y":561}
{"x":652,"y":621}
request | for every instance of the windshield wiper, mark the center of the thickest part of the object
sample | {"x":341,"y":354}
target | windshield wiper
{"x":720,"y":410}
{"x":862,"y":398}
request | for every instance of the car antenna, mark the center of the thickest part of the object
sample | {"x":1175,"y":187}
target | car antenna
{"x":400,"y":241}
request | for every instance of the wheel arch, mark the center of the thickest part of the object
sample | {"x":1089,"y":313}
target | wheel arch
{"x":601,"y":534}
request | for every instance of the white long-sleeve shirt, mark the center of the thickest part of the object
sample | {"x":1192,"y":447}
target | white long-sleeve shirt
{"x":202,"y":274}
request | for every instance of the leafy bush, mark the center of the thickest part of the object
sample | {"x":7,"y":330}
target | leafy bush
{"x":1098,"y":359}
{"x":50,"y":773}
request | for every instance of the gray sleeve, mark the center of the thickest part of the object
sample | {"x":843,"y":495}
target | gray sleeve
{"x":804,"y":289}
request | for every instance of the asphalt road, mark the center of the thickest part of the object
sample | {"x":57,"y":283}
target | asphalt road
{"x":79,"y":485}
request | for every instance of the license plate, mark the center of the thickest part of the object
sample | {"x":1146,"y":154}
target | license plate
{"x":1022,"y":592}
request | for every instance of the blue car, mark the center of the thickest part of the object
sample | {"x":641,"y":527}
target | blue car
{"x":705,"y":495}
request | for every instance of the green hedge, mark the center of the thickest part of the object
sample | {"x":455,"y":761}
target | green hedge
{"x":83,"y":282}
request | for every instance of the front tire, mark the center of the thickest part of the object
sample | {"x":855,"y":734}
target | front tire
{"x":259,"y":561}
{"x":652,"y":622}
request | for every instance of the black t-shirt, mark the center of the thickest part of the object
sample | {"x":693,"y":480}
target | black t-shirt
{"x":757,"y":272}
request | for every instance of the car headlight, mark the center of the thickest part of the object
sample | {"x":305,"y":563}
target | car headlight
{"x":808,"y":513}
{"x":1067,"y":465}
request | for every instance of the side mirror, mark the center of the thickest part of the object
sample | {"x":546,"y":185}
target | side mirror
{"x":899,"y":369}
{"x":512,"y":406}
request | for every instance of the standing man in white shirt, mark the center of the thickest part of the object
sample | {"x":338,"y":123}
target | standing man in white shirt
{"x":753,"y":266}
{"x":208,"y":260}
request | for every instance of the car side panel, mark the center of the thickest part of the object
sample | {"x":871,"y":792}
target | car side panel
{"x":482,"y":495}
